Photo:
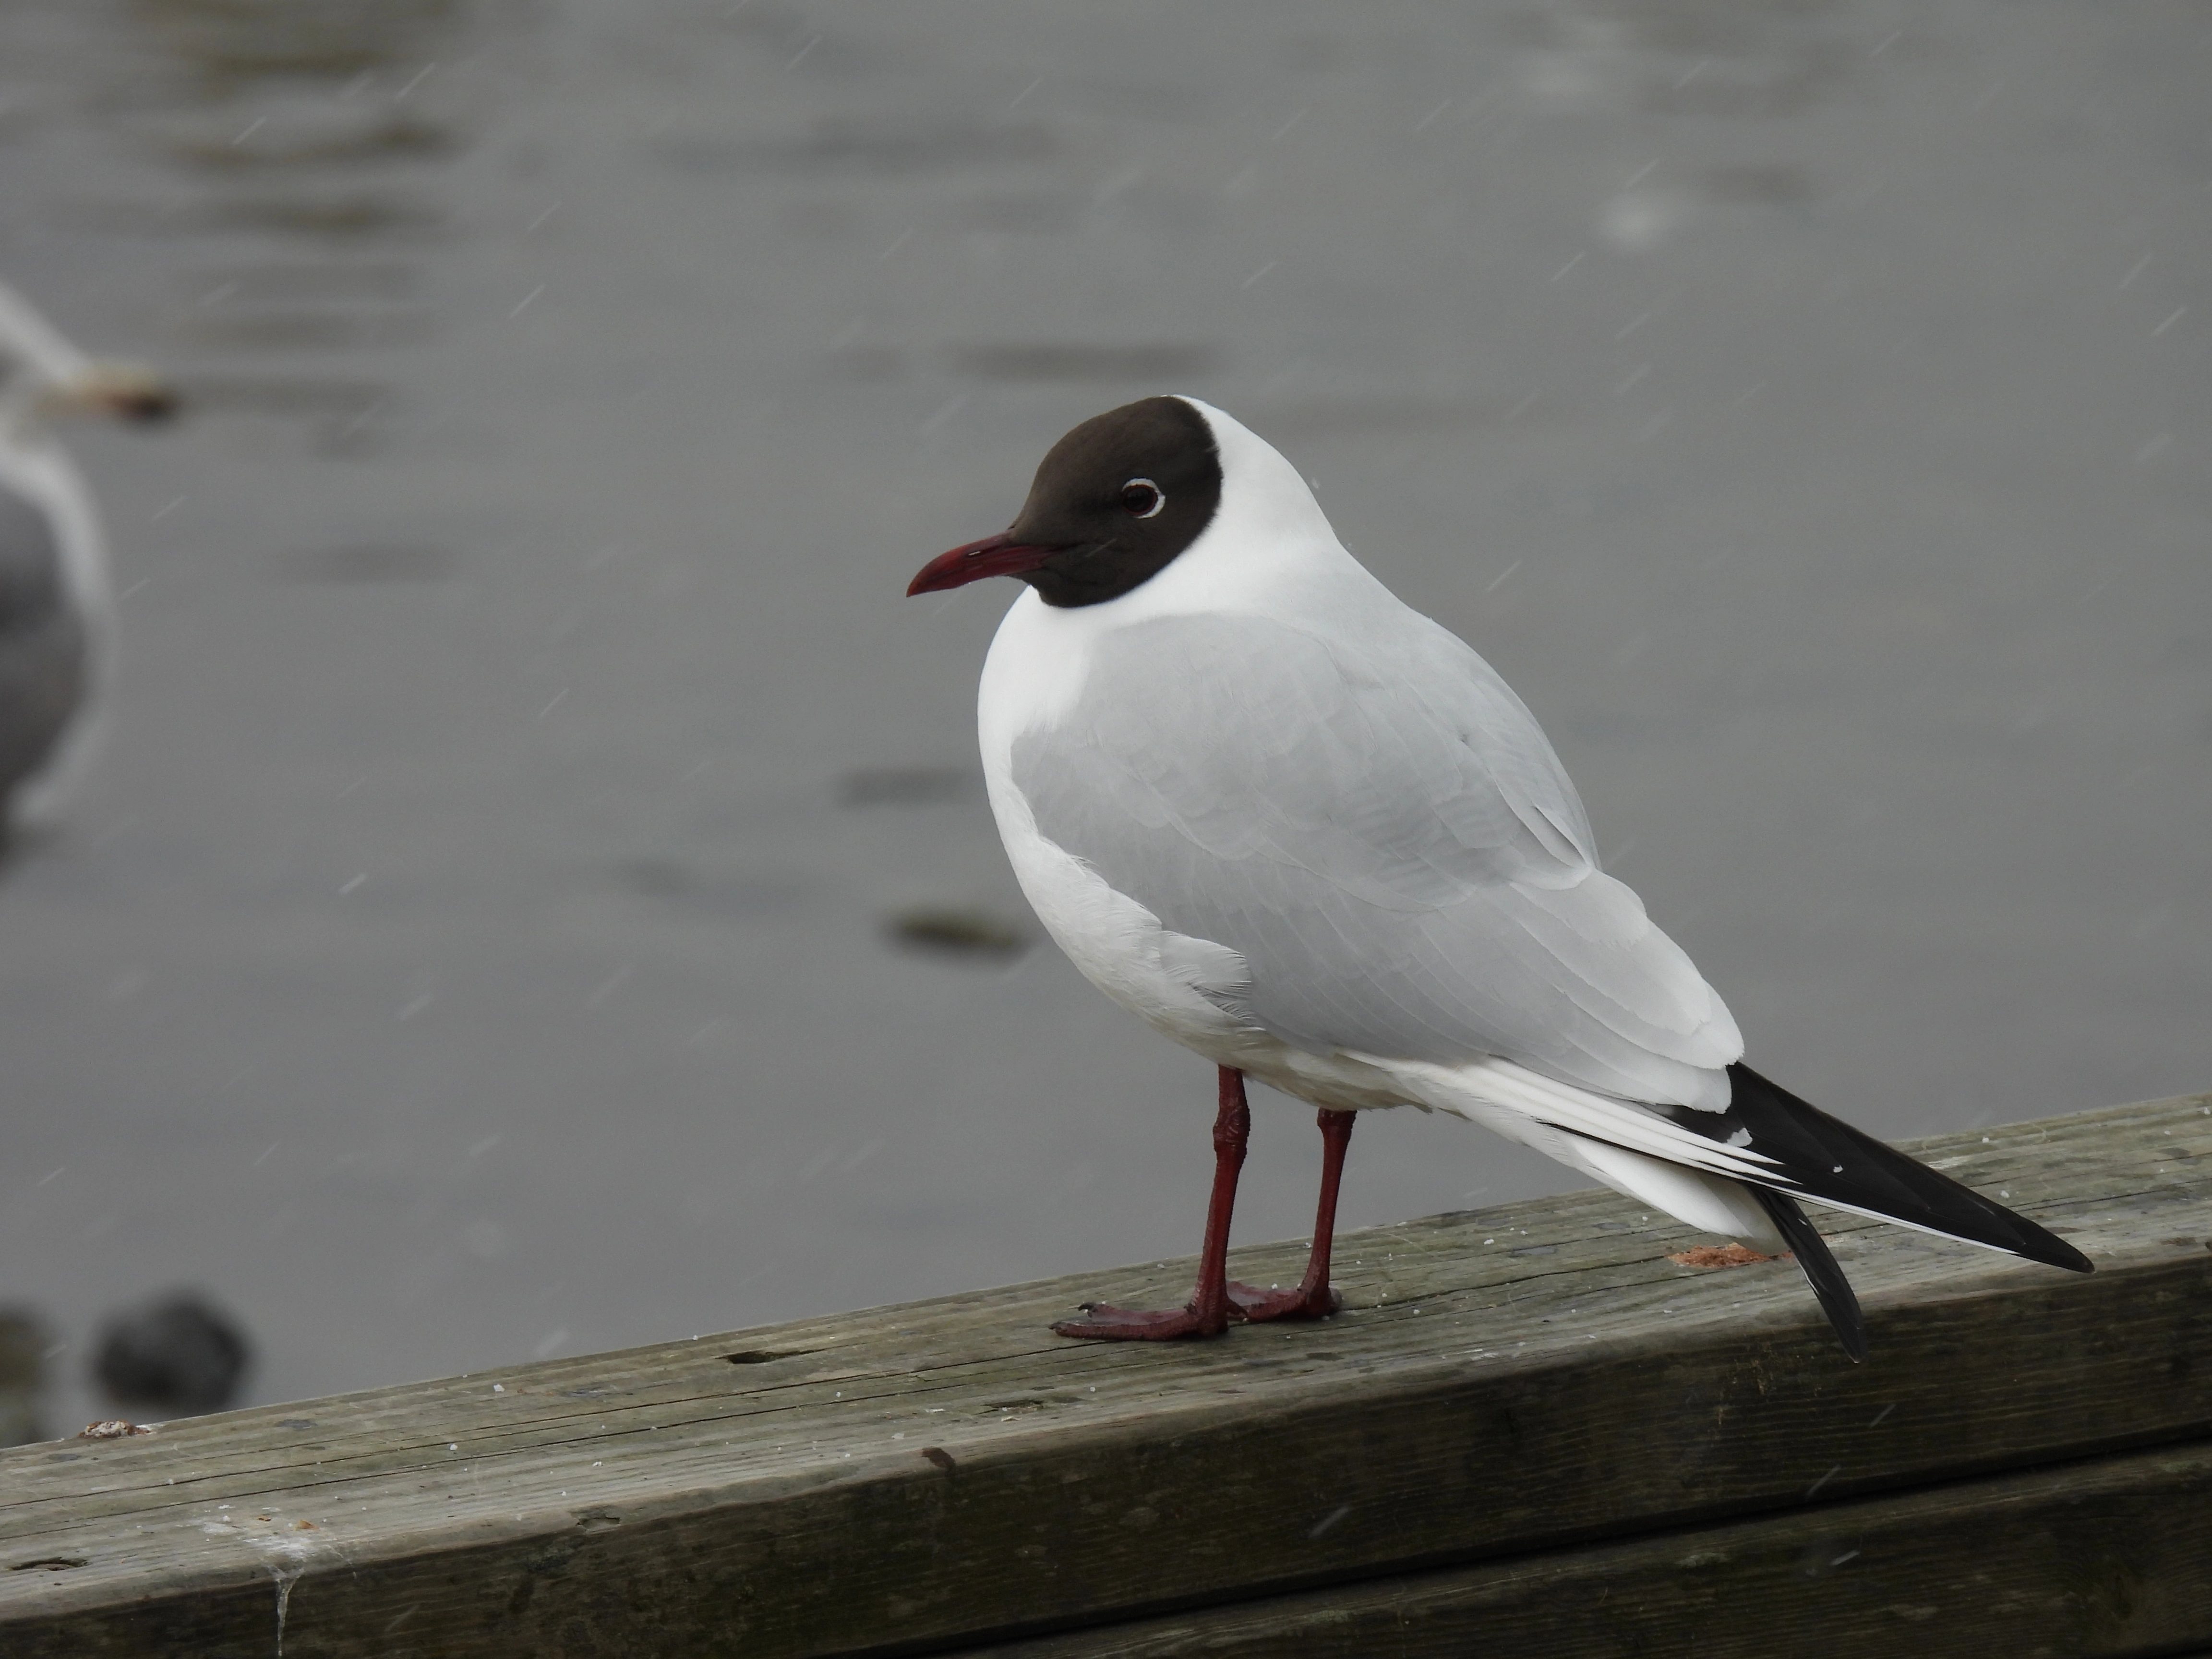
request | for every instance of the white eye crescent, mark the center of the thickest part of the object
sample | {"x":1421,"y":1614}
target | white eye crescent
{"x":1143,"y":498}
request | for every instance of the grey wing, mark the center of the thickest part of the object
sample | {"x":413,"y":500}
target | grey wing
{"x":44,"y":651}
{"x":1379,"y":828}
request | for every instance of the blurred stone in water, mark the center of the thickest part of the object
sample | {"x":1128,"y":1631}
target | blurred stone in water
{"x":1055,"y":361}
{"x":964,"y":930}
{"x":908,"y":785}
{"x":23,"y":1339}
{"x":174,"y":1354}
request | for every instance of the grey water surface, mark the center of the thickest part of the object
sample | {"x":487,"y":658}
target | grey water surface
{"x":480,"y":939}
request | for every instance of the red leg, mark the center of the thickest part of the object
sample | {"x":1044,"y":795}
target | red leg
{"x":1209,"y":1310}
{"x":1312,"y":1299}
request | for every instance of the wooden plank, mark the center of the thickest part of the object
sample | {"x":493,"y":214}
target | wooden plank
{"x":1510,"y":1380}
{"x":2110,"y":1557}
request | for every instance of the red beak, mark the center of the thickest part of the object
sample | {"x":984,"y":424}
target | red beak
{"x":994,"y":556}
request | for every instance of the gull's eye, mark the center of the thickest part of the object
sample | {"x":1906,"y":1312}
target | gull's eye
{"x":1143,"y":498}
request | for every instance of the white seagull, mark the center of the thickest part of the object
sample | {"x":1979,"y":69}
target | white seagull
{"x":56,"y":625}
{"x":1307,"y":832}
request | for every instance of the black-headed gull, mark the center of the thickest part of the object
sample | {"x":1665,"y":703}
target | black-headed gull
{"x":55,"y":609}
{"x":1310,"y":833}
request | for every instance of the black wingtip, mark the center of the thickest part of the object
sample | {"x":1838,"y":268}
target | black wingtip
{"x":1821,"y":1157}
{"x":1822,"y":1271}
{"x":2058,"y":1253}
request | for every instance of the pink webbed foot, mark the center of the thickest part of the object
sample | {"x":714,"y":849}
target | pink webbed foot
{"x":1209,"y":1311}
{"x":1217,"y":1304}
{"x":1103,"y":1324}
{"x":1311,"y":1298}
{"x":1299,"y":1301}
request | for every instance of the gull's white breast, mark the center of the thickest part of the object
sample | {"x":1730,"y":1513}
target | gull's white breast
{"x":1033,"y":676}
{"x":1268,"y":547}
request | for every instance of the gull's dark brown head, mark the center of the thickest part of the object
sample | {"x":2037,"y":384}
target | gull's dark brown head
{"x":1113,"y":503}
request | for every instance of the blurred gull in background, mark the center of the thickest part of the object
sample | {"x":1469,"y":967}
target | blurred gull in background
{"x":176,"y":1354}
{"x":56,"y":621}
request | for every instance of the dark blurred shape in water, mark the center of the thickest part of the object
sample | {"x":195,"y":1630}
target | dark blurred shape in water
{"x":959,"y":930}
{"x":380,"y":141}
{"x":328,"y":215}
{"x":228,"y":41}
{"x":23,"y":1339}
{"x":1059,"y":361}
{"x":174,"y":1354}
{"x":908,"y":785}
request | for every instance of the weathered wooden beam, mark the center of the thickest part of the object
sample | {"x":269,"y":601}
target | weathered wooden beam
{"x":2109,"y":1557}
{"x":1505,"y":1382}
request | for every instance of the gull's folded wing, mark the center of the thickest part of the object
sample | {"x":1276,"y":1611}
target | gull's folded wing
{"x":1376,"y":824}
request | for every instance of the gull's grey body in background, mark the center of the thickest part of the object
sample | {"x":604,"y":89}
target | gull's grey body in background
{"x":462,"y":948}
{"x":43,"y":645}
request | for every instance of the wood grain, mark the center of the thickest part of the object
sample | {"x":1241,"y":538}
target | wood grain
{"x":1524,"y":1379}
{"x":2113,"y":1558}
